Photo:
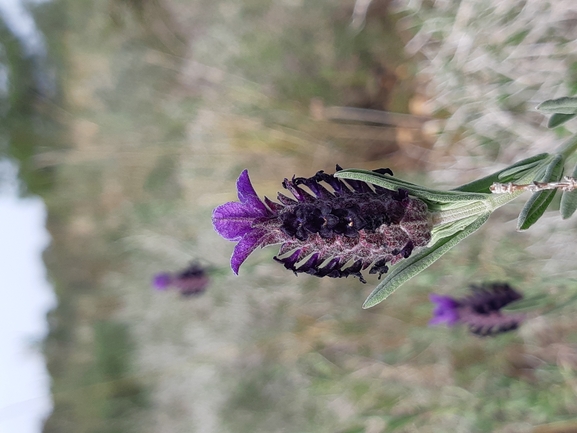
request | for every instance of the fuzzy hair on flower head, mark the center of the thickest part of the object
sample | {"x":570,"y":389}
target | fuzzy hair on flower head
{"x":330,"y":227}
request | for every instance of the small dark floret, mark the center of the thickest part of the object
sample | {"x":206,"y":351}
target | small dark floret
{"x":481,"y":310}
{"x":333,"y":228}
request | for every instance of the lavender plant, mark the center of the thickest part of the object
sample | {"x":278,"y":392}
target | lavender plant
{"x":356,"y":220}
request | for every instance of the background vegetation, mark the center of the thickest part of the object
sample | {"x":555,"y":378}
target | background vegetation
{"x":163,"y":103}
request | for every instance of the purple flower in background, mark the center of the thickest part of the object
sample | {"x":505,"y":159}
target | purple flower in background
{"x":334,"y":232}
{"x":191,"y":281}
{"x":446,"y":310}
{"x":480,"y":310}
{"x":162,"y":281}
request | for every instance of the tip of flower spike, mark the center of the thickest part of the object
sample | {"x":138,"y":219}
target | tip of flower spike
{"x":233,"y":220}
{"x":481,"y":311}
{"x":446,"y":310}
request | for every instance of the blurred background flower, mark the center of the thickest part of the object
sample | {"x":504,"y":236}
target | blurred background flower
{"x":191,"y":281}
{"x":481,"y":310}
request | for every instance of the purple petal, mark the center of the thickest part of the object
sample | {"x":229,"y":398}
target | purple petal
{"x":446,"y":310}
{"x":162,"y":281}
{"x":245,"y":247}
{"x":233,"y":220}
{"x":248,"y":196}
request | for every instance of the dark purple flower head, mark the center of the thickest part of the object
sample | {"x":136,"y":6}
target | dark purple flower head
{"x":480,"y":310}
{"x":191,"y":281}
{"x":332,"y":228}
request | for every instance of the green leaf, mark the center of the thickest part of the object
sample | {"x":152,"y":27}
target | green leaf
{"x":449,"y":229}
{"x":569,"y":200}
{"x":558,"y":119}
{"x":535,"y":208}
{"x":539,"y":201}
{"x":410,"y":267}
{"x":509,"y":174}
{"x":400,"y":421}
{"x":528,"y":303}
{"x":565,"y":105}
{"x":418,"y":191}
{"x":560,"y":304}
{"x":516,"y":171}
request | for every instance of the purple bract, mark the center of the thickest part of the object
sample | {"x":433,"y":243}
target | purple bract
{"x":446,"y":310}
{"x":480,"y":310}
{"x":162,"y":281}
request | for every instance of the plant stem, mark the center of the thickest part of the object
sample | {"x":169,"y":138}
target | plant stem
{"x":494,"y":201}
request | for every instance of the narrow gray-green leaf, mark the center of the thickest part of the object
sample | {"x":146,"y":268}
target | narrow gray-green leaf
{"x":528,"y":303}
{"x":415,"y":190}
{"x":558,"y":119}
{"x":539,"y":201}
{"x":525,"y":164}
{"x":410,"y":267}
{"x":508,"y":174}
{"x":561,"y":304}
{"x":565,"y":105}
{"x":535,"y":208}
{"x":569,"y":201}
{"x":449,"y":229}
{"x":553,"y":171}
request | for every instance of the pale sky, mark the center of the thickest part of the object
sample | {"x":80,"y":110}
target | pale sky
{"x":26,"y":296}
{"x":22,"y":24}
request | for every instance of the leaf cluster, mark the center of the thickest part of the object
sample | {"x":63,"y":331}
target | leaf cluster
{"x":562,"y":110}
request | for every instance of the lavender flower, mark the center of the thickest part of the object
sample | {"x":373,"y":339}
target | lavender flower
{"x":191,"y":281}
{"x":333,"y":232}
{"x":481,"y":310}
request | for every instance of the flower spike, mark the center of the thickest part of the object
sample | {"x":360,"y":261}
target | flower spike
{"x":333,"y":228}
{"x":191,"y":281}
{"x":481,"y":310}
